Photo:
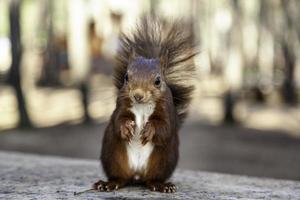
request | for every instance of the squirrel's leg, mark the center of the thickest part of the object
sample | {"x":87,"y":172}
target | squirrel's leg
{"x":161,"y":166}
{"x":114,"y":161}
{"x":164,"y":157}
{"x":107,"y":186}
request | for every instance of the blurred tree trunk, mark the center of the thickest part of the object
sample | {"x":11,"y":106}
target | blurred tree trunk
{"x":15,"y":77}
{"x":229,"y":101}
{"x":288,"y":88}
{"x":50,"y":75}
{"x":84,"y":89}
{"x":234,"y":41}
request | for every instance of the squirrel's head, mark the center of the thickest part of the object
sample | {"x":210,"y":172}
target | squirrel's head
{"x":143,"y":81}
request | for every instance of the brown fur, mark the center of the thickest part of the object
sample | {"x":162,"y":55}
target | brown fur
{"x":173,"y":44}
{"x":146,"y":57}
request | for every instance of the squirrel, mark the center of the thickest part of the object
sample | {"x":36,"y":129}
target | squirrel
{"x":152,"y":73}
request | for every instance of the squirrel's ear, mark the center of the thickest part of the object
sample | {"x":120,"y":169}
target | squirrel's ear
{"x":132,"y":55}
{"x":164,"y":58}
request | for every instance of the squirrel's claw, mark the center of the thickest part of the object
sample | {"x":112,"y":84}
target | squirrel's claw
{"x":127,"y":130}
{"x":103,"y":186}
{"x":147,"y":133}
{"x":130,"y":125}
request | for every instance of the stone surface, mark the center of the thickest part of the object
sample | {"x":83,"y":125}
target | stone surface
{"x":24,"y":176}
{"x":224,"y":149}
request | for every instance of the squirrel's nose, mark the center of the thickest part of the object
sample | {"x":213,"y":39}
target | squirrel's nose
{"x":138,"y":97}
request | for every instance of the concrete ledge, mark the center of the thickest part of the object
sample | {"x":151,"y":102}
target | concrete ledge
{"x":24,"y":176}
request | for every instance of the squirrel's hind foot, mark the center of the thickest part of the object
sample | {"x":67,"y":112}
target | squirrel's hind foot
{"x":162,"y":187}
{"x":107,"y":186}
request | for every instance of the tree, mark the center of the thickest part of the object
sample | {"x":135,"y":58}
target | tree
{"x":15,"y":77}
{"x":288,"y":87}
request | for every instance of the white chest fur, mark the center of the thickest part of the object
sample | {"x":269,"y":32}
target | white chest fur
{"x":138,"y":155}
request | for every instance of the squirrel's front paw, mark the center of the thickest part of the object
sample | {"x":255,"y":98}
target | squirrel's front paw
{"x":127,"y":129}
{"x":147,"y":133}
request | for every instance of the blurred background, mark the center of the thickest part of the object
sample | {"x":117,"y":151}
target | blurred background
{"x":56,"y":92}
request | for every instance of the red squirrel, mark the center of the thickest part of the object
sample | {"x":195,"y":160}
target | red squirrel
{"x":140,"y":144}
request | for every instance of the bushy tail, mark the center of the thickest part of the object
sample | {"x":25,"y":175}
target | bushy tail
{"x":173,"y":44}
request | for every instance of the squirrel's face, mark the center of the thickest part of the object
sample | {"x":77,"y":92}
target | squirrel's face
{"x":143,"y":81}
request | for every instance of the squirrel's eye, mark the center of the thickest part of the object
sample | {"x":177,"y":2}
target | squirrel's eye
{"x":126,"y":77}
{"x":157,"y":81}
